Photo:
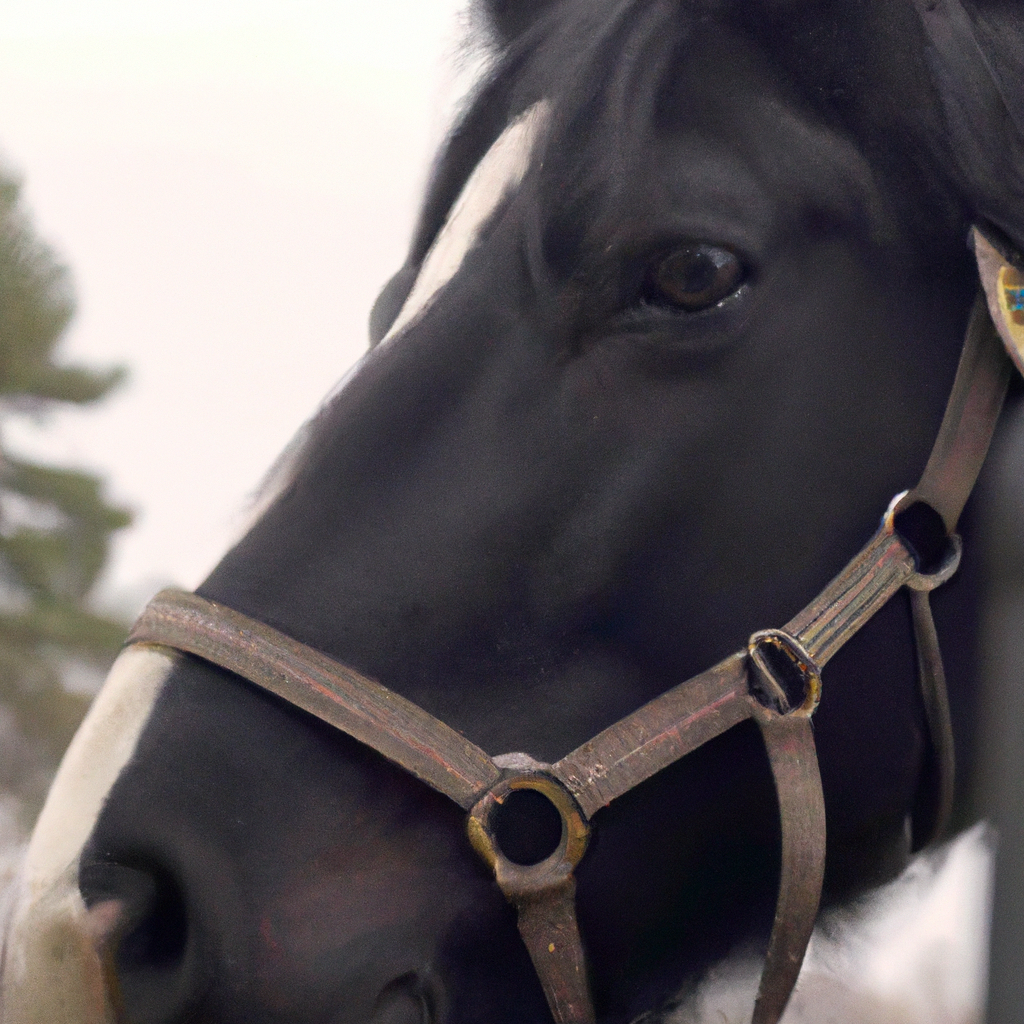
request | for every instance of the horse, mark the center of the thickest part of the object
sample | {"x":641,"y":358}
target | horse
{"x":681,"y":314}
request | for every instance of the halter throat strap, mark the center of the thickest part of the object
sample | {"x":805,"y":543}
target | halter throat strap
{"x":776,"y":681}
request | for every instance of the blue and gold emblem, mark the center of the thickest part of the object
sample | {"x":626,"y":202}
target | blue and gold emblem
{"x":1004,"y":289}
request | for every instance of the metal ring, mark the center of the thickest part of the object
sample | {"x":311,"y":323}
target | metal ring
{"x":950,"y":564}
{"x":798,"y":657}
{"x":951,"y":561}
{"x":517,"y":879}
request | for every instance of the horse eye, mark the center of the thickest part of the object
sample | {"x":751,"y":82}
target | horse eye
{"x":694,"y":277}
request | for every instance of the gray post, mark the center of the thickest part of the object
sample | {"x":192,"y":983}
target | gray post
{"x":1001,"y":736}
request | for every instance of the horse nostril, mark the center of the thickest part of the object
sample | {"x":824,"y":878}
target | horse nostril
{"x":103,"y":922}
{"x":142,"y":927}
{"x":527,"y":826}
{"x":406,"y":1000}
{"x":152,"y":926}
{"x":403,"y":1008}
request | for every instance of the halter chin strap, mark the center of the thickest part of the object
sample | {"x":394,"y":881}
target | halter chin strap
{"x":776,"y":681}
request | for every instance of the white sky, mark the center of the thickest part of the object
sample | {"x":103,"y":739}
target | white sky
{"x":231,"y":183}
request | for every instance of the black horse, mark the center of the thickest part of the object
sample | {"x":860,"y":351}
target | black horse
{"x":681,"y":315}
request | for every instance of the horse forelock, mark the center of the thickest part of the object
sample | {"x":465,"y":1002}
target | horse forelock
{"x":603,"y":69}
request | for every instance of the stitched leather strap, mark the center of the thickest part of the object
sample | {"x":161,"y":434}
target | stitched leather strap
{"x":355,"y":704}
{"x":614,"y":762}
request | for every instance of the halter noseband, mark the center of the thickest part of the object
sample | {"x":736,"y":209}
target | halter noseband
{"x":776,"y":681}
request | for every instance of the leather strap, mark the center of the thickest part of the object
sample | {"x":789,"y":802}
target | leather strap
{"x":656,"y":735}
{"x":935,"y":804}
{"x":789,"y":740}
{"x":972,"y":412}
{"x":336,"y":694}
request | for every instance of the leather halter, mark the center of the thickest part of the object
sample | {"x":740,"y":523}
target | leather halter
{"x":776,"y":681}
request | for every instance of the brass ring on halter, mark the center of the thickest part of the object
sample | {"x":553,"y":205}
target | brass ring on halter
{"x":522,"y":878}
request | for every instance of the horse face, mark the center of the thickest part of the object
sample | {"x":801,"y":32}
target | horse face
{"x":687,"y":329}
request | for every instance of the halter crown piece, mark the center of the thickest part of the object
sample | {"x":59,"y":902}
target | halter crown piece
{"x":776,"y":681}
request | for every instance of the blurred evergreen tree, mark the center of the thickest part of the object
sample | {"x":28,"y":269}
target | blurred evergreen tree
{"x":55,"y":524}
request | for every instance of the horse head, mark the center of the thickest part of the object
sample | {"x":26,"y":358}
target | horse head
{"x":681,"y":315}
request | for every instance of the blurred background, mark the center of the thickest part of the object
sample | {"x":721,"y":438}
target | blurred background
{"x":199,"y":201}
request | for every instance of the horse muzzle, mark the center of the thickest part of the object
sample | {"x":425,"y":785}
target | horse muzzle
{"x":55,"y":966}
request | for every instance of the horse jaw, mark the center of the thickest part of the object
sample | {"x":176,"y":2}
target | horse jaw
{"x":51,"y":963}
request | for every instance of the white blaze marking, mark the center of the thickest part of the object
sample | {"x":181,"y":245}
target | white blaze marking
{"x":51,"y":973}
{"x":500,"y":171}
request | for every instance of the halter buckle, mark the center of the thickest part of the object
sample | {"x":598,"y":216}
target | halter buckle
{"x":784,"y":677}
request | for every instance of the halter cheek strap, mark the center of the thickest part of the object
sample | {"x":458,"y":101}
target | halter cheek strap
{"x":776,"y":681}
